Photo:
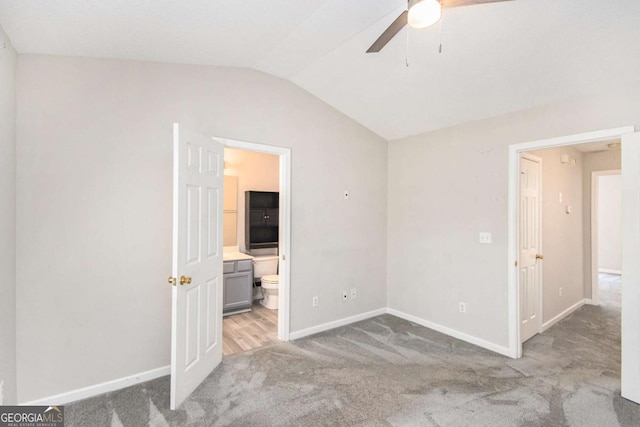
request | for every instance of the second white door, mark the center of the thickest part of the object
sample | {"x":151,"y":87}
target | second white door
{"x":529,"y":237}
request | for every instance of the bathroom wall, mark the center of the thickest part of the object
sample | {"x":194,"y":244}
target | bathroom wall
{"x":609,"y":224}
{"x":562,"y":234}
{"x":596,"y":161}
{"x":7,"y":220}
{"x":255,"y":172}
{"x":94,"y":207}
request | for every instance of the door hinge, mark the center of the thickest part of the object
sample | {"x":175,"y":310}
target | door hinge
{"x":516,"y":264}
{"x":284,"y":258}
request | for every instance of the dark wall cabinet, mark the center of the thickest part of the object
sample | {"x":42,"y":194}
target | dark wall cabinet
{"x":261,"y":219}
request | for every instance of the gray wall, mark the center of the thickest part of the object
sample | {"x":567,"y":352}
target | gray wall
{"x":94,"y":207}
{"x":562,"y":234}
{"x":598,"y":161}
{"x":446,"y":186}
{"x":8,"y":219}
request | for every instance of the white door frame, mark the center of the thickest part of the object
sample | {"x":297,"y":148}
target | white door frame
{"x":595,"y":237}
{"x":540,"y":265}
{"x":284,"y":247}
{"x":515,"y":346}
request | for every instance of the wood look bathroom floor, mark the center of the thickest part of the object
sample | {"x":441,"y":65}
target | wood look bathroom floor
{"x":253,"y":329}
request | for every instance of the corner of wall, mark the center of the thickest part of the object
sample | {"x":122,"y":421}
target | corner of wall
{"x":8,"y":59}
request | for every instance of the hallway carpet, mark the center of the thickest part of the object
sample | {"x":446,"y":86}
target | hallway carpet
{"x":386,"y":371}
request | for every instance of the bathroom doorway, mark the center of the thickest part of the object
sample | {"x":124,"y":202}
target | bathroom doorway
{"x":256,"y":241}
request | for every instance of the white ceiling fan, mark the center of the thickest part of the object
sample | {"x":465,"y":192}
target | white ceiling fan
{"x":421,"y":14}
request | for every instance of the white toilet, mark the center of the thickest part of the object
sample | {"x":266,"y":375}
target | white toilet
{"x":265,"y":268}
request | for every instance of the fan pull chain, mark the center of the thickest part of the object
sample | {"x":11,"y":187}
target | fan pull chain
{"x":440,"y":33}
{"x":406,"y":59}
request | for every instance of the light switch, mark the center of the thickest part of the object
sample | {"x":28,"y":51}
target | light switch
{"x":485,"y":237}
{"x":560,"y":197}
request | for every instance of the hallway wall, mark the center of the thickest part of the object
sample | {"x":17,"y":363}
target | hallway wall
{"x":562,"y":236}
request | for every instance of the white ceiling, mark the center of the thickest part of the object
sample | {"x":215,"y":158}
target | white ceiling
{"x":592,"y":147}
{"x":496,"y":58}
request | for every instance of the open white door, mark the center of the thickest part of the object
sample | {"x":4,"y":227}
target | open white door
{"x":196,"y":334}
{"x":631,"y":267}
{"x":529,"y":239}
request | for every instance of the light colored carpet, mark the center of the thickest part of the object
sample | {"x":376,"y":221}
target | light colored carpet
{"x":389,"y":372}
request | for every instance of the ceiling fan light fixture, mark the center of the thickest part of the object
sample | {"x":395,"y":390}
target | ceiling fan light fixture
{"x":423,"y":13}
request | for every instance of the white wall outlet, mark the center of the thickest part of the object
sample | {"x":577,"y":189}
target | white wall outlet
{"x":346,"y":194}
{"x":345,"y":295}
{"x":560,"y":197}
{"x":353,"y":293}
{"x":314,"y":302}
{"x":485,"y":237}
{"x":463,"y":307}
{"x":560,"y":292}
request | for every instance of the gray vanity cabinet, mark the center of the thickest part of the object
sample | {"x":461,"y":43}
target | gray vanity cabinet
{"x":237,"y":294}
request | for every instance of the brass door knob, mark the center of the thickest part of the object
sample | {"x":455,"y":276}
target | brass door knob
{"x":172,"y":280}
{"x":538,"y":256}
{"x":184,"y":280}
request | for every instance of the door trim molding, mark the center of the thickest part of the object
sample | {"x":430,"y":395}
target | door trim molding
{"x":284,"y":249}
{"x":595,"y":237}
{"x":515,"y":347}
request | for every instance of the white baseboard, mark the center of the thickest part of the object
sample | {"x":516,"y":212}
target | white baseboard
{"x":86,"y":392}
{"x":335,"y":324}
{"x":94,"y":390}
{"x":452,"y":333}
{"x":606,"y":270}
{"x":559,"y":317}
{"x":589,"y":301}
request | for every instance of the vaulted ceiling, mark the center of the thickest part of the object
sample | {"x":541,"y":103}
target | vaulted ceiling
{"x":496,"y":58}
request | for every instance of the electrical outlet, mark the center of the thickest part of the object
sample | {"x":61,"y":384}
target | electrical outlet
{"x":314,"y":302}
{"x":345,"y":194}
{"x":345,"y":295}
{"x":1,"y":393}
{"x":560,"y":292}
{"x":463,"y":307}
{"x":485,"y":237}
{"x":353,"y":293}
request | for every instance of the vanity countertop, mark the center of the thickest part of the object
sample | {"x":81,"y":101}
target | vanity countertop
{"x":232,"y":253}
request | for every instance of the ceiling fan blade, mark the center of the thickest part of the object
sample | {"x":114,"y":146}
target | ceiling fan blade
{"x":389,"y":33}
{"x":458,"y":3}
